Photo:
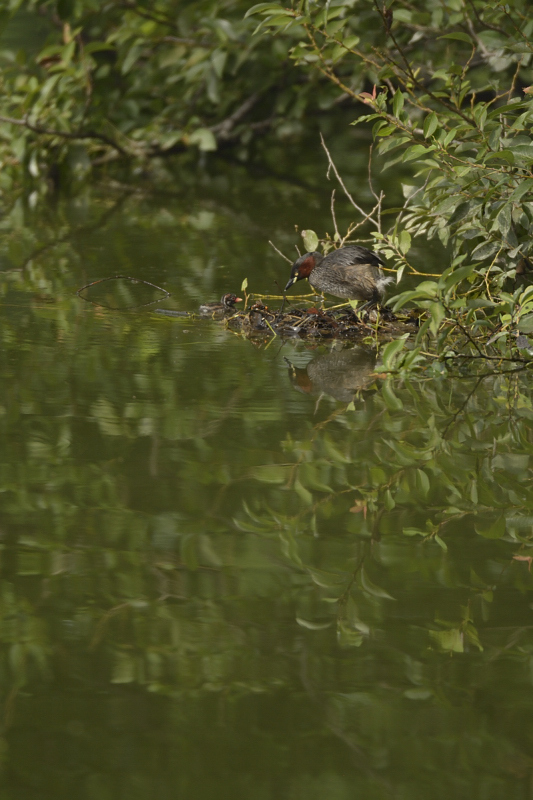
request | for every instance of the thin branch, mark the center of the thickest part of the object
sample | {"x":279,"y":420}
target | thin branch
{"x":222,"y":129}
{"x":346,"y":192}
{"x":482,"y":21}
{"x":279,"y":252}
{"x":370,"y":152}
{"x":24,"y":123}
{"x":337,"y":234}
{"x":408,"y":70}
{"x":513,"y":83}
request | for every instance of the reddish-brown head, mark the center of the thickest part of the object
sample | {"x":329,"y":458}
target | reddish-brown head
{"x":303,"y":267}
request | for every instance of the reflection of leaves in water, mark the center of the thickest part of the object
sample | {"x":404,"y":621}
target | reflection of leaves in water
{"x":181,"y":508}
{"x":428,"y":465}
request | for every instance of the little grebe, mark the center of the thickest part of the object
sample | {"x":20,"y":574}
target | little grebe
{"x":352,"y":272}
{"x":227,"y":301}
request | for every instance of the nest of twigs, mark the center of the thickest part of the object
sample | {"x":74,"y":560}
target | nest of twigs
{"x":317,"y":323}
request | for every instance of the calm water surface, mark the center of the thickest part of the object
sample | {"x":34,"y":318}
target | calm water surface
{"x":237,"y":570}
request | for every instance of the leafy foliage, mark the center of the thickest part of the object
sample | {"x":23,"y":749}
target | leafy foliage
{"x":447,"y":101}
{"x":85,"y":83}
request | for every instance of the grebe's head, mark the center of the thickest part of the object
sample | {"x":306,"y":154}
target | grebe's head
{"x":230,"y":299}
{"x":303,"y":267}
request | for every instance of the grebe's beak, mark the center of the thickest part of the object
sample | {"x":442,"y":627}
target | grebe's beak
{"x":290,"y":282}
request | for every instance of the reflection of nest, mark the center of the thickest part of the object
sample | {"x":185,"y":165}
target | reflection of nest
{"x":339,"y":373}
{"x":316,"y":323}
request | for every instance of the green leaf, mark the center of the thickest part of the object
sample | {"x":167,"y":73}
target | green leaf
{"x":260,"y":7}
{"x":392,"y":402}
{"x":327,"y":14}
{"x":413,"y":532}
{"x":473,"y":636}
{"x":447,"y":204}
{"x":310,"y":240}
{"x":430,"y":124}
{"x":417,"y":151}
{"x":440,"y":542}
{"x":397,"y":103}
{"x":456,"y":276}
{"x":244,"y":285}
{"x":438,"y":313}
{"x":451,"y":641}
{"x":460,"y":213}
{"x":313,"y":626}
{"x":525,"y":324}
{"x":327,"y":580}
{"x":392,"y":349}
{"x":368,"y":586}
{"x":204,"y":138}
{"x":97,"y":47}
{"x":348,"y":637}
{"x":131,"y":57}
{"x":522,"y":189}
{"x":450,"y":136}
{"x":427,"y":290}
{"x":495,"y":529}
{"x":350,"y":41}
{"x":280,"y":20}
{"x":518,"y":105}
{"x":386,"y":130}
{"x":404,"y":242}
{"x":503,"y":220}
{"x":504,"y":155}
{"x":270,"y":473}
{"x":485,"y":250}
{"x":458,"y":36}
{"x":523,"y":151}
{"x":422,"y":482}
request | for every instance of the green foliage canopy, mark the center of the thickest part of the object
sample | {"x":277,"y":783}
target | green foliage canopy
{"x":447,"y":101}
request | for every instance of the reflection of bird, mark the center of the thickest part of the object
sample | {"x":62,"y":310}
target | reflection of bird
{"x":339,"y":373}
{"x":227,"y":301}
{"x":352,"y":272}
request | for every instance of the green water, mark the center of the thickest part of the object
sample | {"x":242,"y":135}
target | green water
{"x":237,"y":570}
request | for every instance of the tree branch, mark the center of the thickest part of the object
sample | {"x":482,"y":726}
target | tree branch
{"x":223,"y":129}
{"x":25,"y":123}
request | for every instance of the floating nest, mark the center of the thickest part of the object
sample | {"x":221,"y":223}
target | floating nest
{"x":259,"y":321}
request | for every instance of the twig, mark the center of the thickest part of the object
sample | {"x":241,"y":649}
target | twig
{"x":223,"y":129}
{"x":370,"y":152}
{"x":279,"y":252}
{"x":482,"y":21}
{"x":381,"y":196}
{"x":337,"y":234}
{"x":345,"y":190}
{"x":408,"y":70}
{"x":465,"y":332}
